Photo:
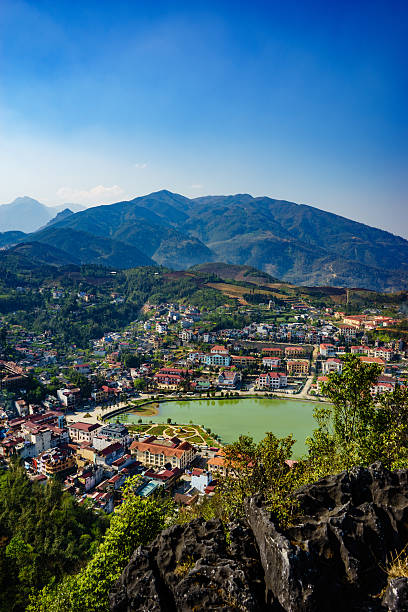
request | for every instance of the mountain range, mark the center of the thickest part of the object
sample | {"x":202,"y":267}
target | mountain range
{"x":27,"y":215}
{"x":31,"y":255}
{"x":293,"y":242}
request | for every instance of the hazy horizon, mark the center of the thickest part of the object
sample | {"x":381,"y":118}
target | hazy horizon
{"x":107,"y":102}
{"x":63,"y":205}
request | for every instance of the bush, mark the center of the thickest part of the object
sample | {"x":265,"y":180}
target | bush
{"x":46,"y":535}
{"x":137,"y":521}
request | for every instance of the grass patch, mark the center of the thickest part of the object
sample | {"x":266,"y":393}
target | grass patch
{"x":209,"y":440}
{"x":139,"y":427}
{"x":146,"y":409}
{"x":397,"y":567}
{"x":184,"y":567}
{"x":157,"y":430}
{"x":195,"y":440}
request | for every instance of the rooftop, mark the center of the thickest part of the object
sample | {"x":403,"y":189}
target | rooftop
{"x":84,"y":426}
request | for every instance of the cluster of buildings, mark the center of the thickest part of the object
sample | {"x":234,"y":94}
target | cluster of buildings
{"x":12,"y":375}
{"x":177,"y":348}
{"x":94,"y":460}
{"x":393,"y":370}
{"x":366,"y":322}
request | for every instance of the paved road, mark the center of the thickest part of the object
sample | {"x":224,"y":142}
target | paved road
{"x":97,"y":413}
{"x":305,"y":391}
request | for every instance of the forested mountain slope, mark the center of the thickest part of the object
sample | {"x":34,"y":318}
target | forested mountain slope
{"x":294,"y":242}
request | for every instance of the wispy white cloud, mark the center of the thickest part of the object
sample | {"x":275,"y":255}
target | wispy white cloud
{"x":95,"y":195}
{"x":140,"y":166}
{"x":197,"y":186}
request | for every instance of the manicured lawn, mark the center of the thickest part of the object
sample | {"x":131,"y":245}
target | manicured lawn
{"x":157,"y":430}
{"x":138,"y":428}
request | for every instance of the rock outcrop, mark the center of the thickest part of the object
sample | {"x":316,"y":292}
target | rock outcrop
{"x":191,"y":567}
{"x":333,"y":559}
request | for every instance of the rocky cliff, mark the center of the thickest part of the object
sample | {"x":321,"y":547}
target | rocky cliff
{"x":333,"y":559}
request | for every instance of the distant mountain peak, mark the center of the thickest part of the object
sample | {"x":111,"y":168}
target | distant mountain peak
{"x":163,"y":192}
{"x":296,"y":243}
{"x":24,"y":214}
{"x":163,"y":195}
{"x":24,"y":200}
{"x":72,"y":206}
{"x":63,"y":214}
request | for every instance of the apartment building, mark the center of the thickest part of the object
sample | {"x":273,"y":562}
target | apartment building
{"x":153,"y":451}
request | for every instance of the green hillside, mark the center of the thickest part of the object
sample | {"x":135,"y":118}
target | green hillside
{"x":31,"y":255}
{"x":295,"y":243}
{"x":88,"y":248}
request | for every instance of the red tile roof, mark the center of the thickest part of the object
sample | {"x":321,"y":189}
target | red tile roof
{"x":156,"y":447}
{"x":84,"y":426}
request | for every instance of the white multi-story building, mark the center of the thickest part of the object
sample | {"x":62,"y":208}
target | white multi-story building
{"x":83,"y":432}
{"x":161,"y":327}
{"x":327,"y":350}
{"x":200,"y":479}
{"x":332,"y":365}
{"x":271,"y":362}
{"x":68,"y":397}
{"x":228,"y":379}
{"x":383,"y":352}
{"x":272,"y":380}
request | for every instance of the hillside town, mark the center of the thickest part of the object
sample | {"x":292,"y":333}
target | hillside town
{"x":203,"y":306}
{"x":60,"y":407}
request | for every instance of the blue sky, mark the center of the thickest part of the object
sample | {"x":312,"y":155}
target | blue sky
{"x":306,"y":101}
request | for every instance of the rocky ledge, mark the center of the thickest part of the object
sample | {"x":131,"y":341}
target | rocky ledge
{"x":334,"y":559}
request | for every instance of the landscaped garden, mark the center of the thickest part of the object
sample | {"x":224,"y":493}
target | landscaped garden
{"x":194,"y":434}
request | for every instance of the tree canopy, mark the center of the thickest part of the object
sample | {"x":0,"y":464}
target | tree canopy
{"x":44,"y":534}
{"x":136,"y":522}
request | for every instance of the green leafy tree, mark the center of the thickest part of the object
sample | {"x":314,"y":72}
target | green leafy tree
{"x":136,"y":522}
{"x":3,"y":335}
{"x":346,"y":424}
{"x":139,"y":384}
{"x":132,"y":361}
{"x":253,"y":468}
{"x":81,"y":381}
{"x":44,"y":533}
{"x":350,"y":394}
{"x":22,"y":555}
{"x":389,"y":443}
{"x":357,"y":428}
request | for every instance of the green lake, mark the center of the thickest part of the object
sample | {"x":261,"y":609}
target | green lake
{"x":230,"y":418}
